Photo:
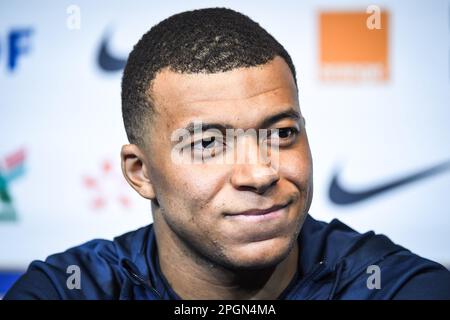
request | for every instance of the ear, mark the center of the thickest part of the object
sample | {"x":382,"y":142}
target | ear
{"x":135,"y":171}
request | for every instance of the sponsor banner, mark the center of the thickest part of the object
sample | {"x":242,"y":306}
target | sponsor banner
{"x":373,"y":87}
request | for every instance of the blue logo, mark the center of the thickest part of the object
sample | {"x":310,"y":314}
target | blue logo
{"x":17,"y":46}
{"x":108,"y":61}
{"x":341,"y":195}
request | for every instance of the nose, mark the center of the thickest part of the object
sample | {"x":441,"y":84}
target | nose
{"x":256,"y":176}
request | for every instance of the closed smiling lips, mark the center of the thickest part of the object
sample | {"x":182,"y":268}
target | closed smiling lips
{"x":259,"y":214}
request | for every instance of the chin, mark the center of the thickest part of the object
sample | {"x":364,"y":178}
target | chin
{"x":260,"y":254}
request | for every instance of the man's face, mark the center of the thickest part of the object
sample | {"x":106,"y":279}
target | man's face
{"x":201,"y":202}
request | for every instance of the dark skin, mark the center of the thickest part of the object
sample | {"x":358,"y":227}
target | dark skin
{"x":205,"y":251}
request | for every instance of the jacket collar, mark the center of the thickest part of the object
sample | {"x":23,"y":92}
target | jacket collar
{"x":325,"y":249}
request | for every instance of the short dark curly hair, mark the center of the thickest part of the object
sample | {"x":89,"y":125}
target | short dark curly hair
{"x":208,"y":40}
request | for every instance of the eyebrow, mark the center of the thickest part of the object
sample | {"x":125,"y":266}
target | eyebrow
{"x":192,"y":127}
{"x":287,"y":114}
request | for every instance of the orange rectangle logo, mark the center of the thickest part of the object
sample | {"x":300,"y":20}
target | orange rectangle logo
{"x":353,"y":46}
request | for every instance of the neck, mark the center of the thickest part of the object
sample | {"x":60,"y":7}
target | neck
{"x":197,"y":278}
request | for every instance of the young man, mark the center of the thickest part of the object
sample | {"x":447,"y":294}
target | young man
{"x":225,"y":229}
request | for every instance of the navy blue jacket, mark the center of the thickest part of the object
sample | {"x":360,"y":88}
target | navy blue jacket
{"x":333,"y":263}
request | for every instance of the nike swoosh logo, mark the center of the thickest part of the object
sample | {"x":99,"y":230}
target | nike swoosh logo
{"x":106,"y":60}
{"x":342,"y":196}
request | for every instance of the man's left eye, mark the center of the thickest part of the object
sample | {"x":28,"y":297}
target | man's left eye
{"x":287,"y":132}
{"x":283,"y":137}
{"x":284,"y":133}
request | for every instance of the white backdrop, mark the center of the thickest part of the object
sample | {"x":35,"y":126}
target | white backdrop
{"x":61,"y":127}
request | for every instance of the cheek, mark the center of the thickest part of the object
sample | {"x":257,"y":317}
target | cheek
{"x":188,"y":190}
{"x":296,"y":166}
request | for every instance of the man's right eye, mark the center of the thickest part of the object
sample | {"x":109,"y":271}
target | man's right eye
{"x":205,"y":143}
{"x":208,"y":147}
{"x":208,"y":143}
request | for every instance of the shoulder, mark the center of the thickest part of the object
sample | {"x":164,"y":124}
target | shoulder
{"x":402,"y":273}
{"x":87,"y":271}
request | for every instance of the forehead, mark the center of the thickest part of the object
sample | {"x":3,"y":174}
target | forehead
{"x":240,"y":95}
